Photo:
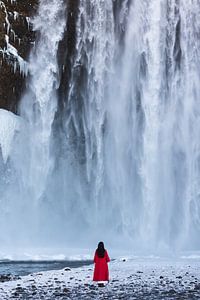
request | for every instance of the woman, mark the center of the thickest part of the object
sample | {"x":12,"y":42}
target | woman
{"x":101,"y":260}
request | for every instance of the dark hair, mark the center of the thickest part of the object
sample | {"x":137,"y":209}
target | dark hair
{"x":100,"y":250}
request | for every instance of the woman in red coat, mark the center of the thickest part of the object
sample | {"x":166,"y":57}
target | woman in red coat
{"x":101,"y":260}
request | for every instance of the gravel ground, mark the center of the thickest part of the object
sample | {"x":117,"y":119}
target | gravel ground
{"x":130,"y":279}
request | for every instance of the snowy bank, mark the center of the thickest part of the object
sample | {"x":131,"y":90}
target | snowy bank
{"x":129,"y":279}
{"x":9,"y":124}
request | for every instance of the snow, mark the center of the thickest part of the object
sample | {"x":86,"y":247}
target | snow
{"x":19,"y":61}
{"x":130,"y":278}
{"x":9,"y":50}
{"x":16,"y":15}
{"x":28,"y":20}
{"x":7,"y":23}
{"x":9,"y":125}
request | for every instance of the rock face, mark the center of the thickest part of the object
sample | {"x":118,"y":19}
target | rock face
{"x":16,"y":39}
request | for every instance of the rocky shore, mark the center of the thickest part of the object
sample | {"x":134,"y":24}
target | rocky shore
{"x":130,"y":279}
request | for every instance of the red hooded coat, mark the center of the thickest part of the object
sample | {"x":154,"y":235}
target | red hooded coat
{"x":101,"y":272}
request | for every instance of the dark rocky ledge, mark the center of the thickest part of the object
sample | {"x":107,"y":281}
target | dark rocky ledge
{"x":15,"y":31}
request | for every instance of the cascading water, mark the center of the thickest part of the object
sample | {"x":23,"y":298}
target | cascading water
{"x":94,"y":53}
{"x":119,"y":159}
{"x":32,"y":161}
{"x":39,"y":103}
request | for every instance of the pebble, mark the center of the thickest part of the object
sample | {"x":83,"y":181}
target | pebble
{"x":137,"y":285}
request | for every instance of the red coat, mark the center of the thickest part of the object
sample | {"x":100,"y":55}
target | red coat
{"x":101,"y":272}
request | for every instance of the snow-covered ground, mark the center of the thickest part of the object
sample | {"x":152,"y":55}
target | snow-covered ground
{"x":9,"y":125}
{"x":130,"y":278}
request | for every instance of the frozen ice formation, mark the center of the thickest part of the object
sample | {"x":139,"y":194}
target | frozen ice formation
{"x":9,"y":124}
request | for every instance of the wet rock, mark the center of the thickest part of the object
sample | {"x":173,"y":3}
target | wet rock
{"x":15,"y":294}
{"x":93,"y":287}
{"x":19,"y":289}
{"x":8,"y":277}
{"x":67,"y":269}
{"x":197,"y":286}
{"x":172,"y":291}
{"x":15,"y":30}
{"x":33,"y":287}
{"x":115,"y":280}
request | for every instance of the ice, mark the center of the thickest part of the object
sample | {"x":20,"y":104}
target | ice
{"x":28,"y":20}
{"x":9,"y":124}
{"x":19,"y":61}
{"x":16,"y":15}
{"x":7,"y":23}
{"x":10,"y":50}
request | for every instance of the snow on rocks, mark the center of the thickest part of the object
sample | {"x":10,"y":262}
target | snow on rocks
{"x":130,"y":279}
{"x":9,"y":51}
{"x":17,"y":60}
{"x":9,"y":125}
{"x":7,"y":23}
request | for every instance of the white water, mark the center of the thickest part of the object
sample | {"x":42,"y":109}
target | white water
{"x":127,"y":165}
{"x":39,"y":104}
{"x":95,"y":40}
{"x":31,"y":160}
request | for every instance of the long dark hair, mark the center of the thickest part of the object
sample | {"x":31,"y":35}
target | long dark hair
{"x":100,"y":250}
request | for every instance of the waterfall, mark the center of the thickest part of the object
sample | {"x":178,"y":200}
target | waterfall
{"x":32,"y":160}
{"x":39,"y":103}
{"x":93,"y":56}
{"x":109,"y":147}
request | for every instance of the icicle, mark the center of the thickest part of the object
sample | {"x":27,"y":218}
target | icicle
{"x":18,"y":60}
{"x":16,"y":15}
{"x":28,"y":22}
{"x":7,"y":23}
